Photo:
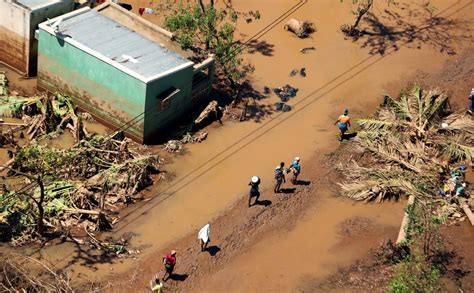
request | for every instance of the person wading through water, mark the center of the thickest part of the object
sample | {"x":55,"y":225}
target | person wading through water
{"x":343,"y":123}
{"x":295,"y":170}
{"x":254,"y":183}
{"x":170,"y":261}
{"x":279,"y":177}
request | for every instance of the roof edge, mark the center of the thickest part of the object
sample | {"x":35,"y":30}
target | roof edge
{"x":44,"y":26}
{"x":169,"y":71}
{"x":143,"y":21}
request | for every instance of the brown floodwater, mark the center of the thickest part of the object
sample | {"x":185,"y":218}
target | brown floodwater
{"x":19,"y":83}
{"x":212,"y":175}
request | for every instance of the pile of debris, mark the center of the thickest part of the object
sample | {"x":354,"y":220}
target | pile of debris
{"x":82,"y":186}
{"x":176,"y":146}
{"x":285,"y":93}
{"x":65,"y":191}
{"x":302,"y":29}
{"x":44,"y":115}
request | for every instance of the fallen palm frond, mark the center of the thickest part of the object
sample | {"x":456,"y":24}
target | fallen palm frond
{"x":458,"y":151}
{"x":409,"y":139}
{"x":374,"y":125}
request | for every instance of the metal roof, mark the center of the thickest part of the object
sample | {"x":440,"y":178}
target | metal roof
{"x":111,"y":39}
{"x":34,"y":3}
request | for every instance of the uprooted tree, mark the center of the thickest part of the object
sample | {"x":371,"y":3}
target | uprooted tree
{"x":207,"y":28}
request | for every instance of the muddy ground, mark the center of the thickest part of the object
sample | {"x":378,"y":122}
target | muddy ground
{"x":301,"y":238}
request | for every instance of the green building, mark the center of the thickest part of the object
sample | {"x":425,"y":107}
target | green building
{"x":124,"y":70}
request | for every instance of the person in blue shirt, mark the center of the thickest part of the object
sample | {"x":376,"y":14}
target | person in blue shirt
{"x":295,"y":170}
{"x":279,"y":177}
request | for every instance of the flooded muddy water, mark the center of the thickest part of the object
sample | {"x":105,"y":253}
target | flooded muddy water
{"x":320,"y":242}
{"x":18,"y":82}
{"x":212,"y":175}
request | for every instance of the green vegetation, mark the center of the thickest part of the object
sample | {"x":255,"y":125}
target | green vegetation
{"x":210,"y":29}
{"x":418,"y":272}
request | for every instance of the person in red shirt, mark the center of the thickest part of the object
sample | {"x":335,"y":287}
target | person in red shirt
{"x":170,"y":261}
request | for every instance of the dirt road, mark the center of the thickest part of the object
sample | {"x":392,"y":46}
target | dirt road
{"x":213,"y":176}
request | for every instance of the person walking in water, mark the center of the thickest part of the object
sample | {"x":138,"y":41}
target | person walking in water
{"x":295,"y":170}
{"x":343,"y":123}
{"x":254,"y":183}
{"x":169,"y":261}
{"x":279,"y":177}
{"x":203,"y":236}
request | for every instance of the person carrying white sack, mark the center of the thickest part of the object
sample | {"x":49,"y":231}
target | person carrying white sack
{"x":203,"y":236}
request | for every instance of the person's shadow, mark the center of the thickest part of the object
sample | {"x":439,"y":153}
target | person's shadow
{"x":303,"y":182}
{"x":349,"y":136}
{"x":287,"y":190}
{"x":213,"y":250}
{"x":178,"y":277}
{"x":264,"y":202}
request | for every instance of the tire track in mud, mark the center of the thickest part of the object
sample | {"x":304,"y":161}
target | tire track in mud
{"x":269,"y":125}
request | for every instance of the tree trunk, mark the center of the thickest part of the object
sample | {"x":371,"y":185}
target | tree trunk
{"x":203,"y":8}
{"x":361,"y":14}
{"x":402,"y":234}
{"x":40,"y":221}
{"x":467,"y":210}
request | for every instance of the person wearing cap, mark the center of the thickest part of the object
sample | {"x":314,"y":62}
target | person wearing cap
{"x":295,"y":170}
{"x":254,"y":182}
{"x":470,"y":106}
{"x":343,"y":123}
{"x":169,"y":261}
{"x":279,"y":177}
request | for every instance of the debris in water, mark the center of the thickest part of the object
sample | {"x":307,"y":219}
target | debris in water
{"x":211,"y":108}
{"x":307,"y":49}
{"x":3,"y":84}
{"x":173,"y":146}
{"x":286,"y":92}
{"x":282,"y":107}
{"x":196,"y":138}
{"x":301,"y":29}
{"x":301,"y":72}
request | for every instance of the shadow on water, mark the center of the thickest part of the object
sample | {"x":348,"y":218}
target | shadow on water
{"x":260,"y":46}
{"x":411,"y":25}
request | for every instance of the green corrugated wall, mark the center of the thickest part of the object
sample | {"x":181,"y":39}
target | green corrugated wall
{"x":95,"y":86}
{"x":156,"y":123}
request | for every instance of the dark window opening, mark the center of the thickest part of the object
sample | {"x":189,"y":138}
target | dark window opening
{"x":163,"y":99}
{"x":200,"y":76}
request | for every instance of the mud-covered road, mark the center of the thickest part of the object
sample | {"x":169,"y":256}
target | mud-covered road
{"x":298,"y":236}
